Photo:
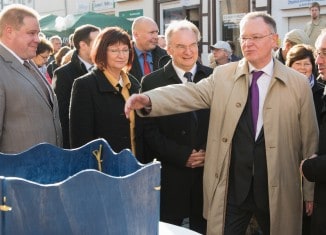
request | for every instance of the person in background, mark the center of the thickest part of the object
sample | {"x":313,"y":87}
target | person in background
{"x":56,"y":62}
{"x":28,"y":107}
{"x":146,"y":51}
{"x":161,"y":41}
{"x":301,"y":58}
{"x":56,"y":42}
{"x":98,"y":98}
{"x":71,"y":41}
{"x":79,"y":65}
{"x":221,"y":52}
{"x":233,"y":56}
{"x":314,"y":168}
{"x":43,"y":51}
{"x":316,"y":23}
{"x":291,"y":38}
{"x":178,"y":141}
{"x":260,"y":129}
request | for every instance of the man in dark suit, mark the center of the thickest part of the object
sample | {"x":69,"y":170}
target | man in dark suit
{"x":28,"y":106}
{"x":179,"y":141}
{"x":64,"y":76}
{"x":314,"y":168}
{"x":145,"y":36}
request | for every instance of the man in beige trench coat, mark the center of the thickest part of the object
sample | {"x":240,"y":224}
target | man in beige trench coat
{"x":286,"y":132}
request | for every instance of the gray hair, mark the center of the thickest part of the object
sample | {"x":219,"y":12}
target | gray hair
{"x":181,"y":25}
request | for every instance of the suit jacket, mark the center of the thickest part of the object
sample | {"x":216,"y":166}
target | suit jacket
{"x":136,"y":70}
{"x":97,"y":111}
{"x":314,"y":170}
{"x":171,"y":140}
{"x":62,"y":81}
{"x":290,"y":130}
{"x":27,"y":117}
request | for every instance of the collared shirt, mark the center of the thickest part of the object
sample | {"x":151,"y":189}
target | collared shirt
{"x":125,"y":83}
{"x":13,"y":53}
{"x":88,"y":66}
{"x":140,"y":57}
{"x":263,"y":84}
{"x":181,"y":72}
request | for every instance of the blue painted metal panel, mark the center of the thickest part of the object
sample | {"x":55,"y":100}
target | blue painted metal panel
{"x":62,"y":194}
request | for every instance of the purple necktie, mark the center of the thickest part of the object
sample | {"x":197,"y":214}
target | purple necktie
{"x":254,"y":90}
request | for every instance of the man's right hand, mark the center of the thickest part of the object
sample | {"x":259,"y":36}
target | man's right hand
{"x":136,"y":101}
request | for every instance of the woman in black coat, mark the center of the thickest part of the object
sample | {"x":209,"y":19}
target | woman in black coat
{"x":98,"y":98}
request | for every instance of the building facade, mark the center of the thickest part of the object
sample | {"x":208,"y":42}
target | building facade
{"x":216,"y":19}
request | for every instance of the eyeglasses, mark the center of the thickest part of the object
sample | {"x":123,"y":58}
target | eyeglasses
{"x":183,"y":48}
{"x":116,"y":52}
{"x":253,"y":38}
{"x":45,"y":58}
{"x":321,"y":53}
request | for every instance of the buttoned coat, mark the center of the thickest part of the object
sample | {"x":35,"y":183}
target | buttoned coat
{"x":97,"y":111}
{"x":291,"y":134}
{"x":27,"y":117}
{"x":136,"y":70}
{"x":62,"y":81}
{"x":172,"y":139}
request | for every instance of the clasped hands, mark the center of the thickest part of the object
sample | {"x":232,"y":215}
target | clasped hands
{"x":196,"y":159}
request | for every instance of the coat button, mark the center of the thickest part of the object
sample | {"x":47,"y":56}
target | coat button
{"x":183,"y":132}
{"x":224,"y":140}
{"x":216,"y":175}
{"x":238,"y":105}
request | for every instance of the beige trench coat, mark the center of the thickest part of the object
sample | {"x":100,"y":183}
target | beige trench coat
{"x":291,"y":134}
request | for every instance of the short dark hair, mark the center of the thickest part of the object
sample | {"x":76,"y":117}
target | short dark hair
{"x":107,"y":37}
{"x":315,"y":4}
{"x":43,"y":46}
{"x":300,"y":52}
{"x":82,"y":34}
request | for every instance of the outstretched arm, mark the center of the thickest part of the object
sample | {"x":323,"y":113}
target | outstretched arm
{"x":137,"y":101}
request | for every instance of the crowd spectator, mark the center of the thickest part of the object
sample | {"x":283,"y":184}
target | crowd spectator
{"x":291,"y":38}
{"x":146,"y":51}
{"x":221,"y":52}
{"x":179,"y":141}
{"x":314,"y":168}
{"x":257,"y":134}
{"x":56,"y":42}
{"x":43,"y":51}
{"x":316,"y":23}
{"x":54,"y":64}
{"x":301,"y":58}
{"x":233,"y":56}
{"x":64,"y":76}
{"x":161,"y":41}
{"x":28,"y":106}
{"x":98,"y":98}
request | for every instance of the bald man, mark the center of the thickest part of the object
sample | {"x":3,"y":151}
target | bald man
{"x":145,"y":38}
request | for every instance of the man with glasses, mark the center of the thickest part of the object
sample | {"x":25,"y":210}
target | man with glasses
{"x":314,"y":168}
{"x":261,"y":126}
{"x":179,"y":141}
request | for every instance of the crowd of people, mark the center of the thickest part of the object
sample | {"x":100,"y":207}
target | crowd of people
{"x":239,"y":139}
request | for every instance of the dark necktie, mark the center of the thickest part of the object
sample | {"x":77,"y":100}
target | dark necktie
{"x":254,"y":91}
{"x":39,"y":79}
{"x":147,"y":67}
{"x":188,"y":75}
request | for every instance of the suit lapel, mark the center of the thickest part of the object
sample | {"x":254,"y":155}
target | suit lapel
{"x":16,"y":65}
